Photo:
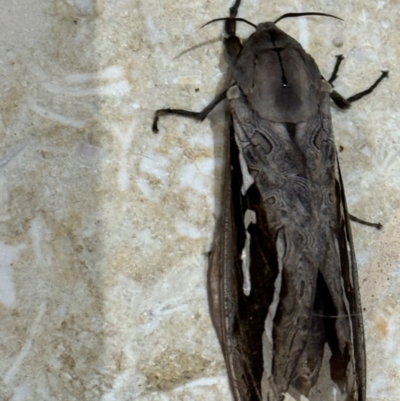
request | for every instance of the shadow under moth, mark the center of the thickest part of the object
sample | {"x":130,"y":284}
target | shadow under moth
{"x":282,"y":280}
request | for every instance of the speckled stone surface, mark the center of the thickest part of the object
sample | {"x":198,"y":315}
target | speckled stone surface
{"x":105,"y":227}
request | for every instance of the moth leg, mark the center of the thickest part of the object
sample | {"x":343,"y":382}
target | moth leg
{"x":343,"y":103}
{"x":358,"y":96}
{"x":334,"y":75}
{"x":199,"y":116}
{"x":232,"y":43}
{"x":233,"y":48}
{"x":230,"y":25}
{"x":338,"y":99}
{"x":378,"y":226}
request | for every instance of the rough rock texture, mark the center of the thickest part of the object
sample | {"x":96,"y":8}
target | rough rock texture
{"x":104,"y":227}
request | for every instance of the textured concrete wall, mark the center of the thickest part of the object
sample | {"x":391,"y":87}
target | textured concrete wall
{"x":104,"y":227}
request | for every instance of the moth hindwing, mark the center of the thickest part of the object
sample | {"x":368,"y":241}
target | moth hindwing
{"x":282,"y":281}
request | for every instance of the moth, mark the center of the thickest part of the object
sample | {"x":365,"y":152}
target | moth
{"x":282,"y":280}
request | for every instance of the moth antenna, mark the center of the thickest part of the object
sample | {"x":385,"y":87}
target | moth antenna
{"x":290,"y":15}
{"x":230,"y":19}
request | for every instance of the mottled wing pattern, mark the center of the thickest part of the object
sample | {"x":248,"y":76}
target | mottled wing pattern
{"x":351,"y":284}
{"x":302,"y":303}
{"x":238,"y":319}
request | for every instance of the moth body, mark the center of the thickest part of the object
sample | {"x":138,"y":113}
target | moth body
{"x":282,"y":280}
{"x":275,"y":334}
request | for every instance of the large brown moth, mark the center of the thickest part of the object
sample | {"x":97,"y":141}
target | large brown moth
{"x":282,"y":280}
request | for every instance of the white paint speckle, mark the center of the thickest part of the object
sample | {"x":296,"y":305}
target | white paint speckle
{"x":304,"y":36}
{"x":144,"y":186}
{"x":36,"y":235}
{"x":189,"y":230}
{"x":288,"y":397}
{"x":155,"y":34}
{"x":21,"y":393}
{"x":4,"y":193}
{"x":203,"y":381}
{"x":268,"y":341}
{"x":377,"y":385}
{"x":155,"y":164}
{"x":112,"y":72}
{"x":144,"y":238}
{"x":380,"y":4}
{"x":249,"y":218}
{"x":367,"y":151}
{"x":116,"y":89}
{"x":364,"y":16}
{"x":198,"y":176}
{"x":7,"y":287}
{"x":13,"y":153}
{"x":176,"y":153}
{"x":85,"y":7}
{"x":248,"y":179}
{"x":123,"y":179}
{"x":205,"y":141}
{"x":189,"y":28}
{"x":125,"y":139}
{"x":33,"y":331}
{"x":59,"y":118}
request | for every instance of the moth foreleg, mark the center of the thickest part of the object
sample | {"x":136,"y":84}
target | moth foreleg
{"x":334,"y":75}
{"x":232,"y":43}
{"x":378,"y":226}
{"x":358,"y":96}
{"x":338,"y":99}
{"x":230,"y":25}
{"x":343,"y":103}
{"x":199,"y":116}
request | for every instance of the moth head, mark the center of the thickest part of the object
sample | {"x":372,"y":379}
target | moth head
{"x":280,"y":81}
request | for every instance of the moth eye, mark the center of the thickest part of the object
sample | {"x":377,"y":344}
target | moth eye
{"x":330,"y":197}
